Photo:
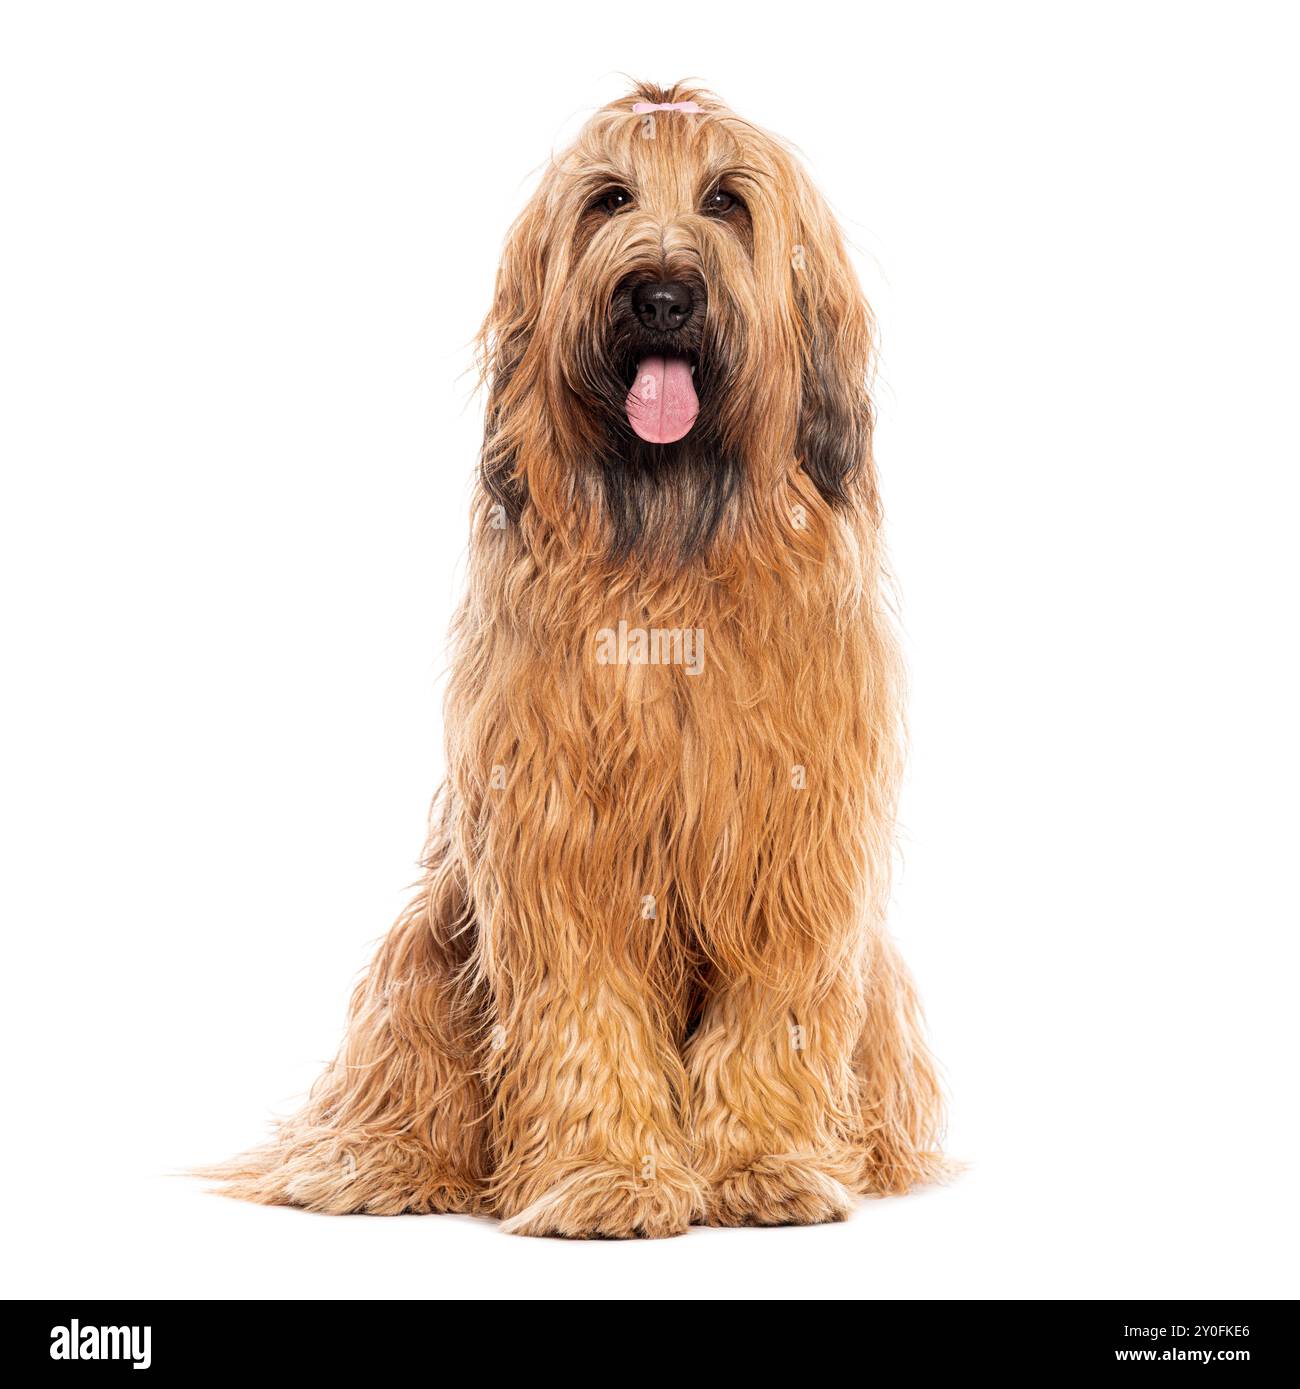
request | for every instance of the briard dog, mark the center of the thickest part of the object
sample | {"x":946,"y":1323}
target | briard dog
{"x":645,"y":980}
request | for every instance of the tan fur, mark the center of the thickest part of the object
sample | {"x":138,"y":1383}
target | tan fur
{"x":646,"y":981}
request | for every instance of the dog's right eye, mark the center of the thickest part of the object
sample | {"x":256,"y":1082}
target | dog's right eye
{"x":614,"y":200}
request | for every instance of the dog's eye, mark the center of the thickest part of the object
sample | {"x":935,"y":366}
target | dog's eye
{"x":718,"y":203}
{"x":614,"y":199}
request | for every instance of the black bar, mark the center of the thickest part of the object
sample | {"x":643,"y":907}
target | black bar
{"x":375,"y":1337}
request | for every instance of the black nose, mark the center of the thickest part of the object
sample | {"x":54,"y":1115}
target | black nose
{"x":663,"y":304}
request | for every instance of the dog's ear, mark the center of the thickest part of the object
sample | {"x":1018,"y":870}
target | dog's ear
{"x":833,"y":437}
{"x":503,"y":343}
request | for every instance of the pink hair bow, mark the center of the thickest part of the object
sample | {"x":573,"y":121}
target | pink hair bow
{"x":642,"y":108}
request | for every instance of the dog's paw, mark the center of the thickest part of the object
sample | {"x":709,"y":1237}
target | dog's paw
{"x":605,"y":1201}
{"x":791,"y":1189}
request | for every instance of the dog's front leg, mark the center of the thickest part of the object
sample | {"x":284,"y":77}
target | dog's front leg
{"x":776,"y":1113}
{"x":588,"y":1136}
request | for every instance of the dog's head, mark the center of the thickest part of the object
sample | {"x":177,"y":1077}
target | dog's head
{"x":676,"y":331}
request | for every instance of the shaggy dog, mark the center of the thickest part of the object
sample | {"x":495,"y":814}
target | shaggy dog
{"x":645,"y":980}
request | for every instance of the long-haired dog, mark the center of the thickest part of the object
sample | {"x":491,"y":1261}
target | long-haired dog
{"x":645,"y":981}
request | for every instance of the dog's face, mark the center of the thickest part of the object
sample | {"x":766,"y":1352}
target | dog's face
{"x":675,"y":326}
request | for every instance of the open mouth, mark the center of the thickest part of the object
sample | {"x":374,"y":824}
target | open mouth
{"x":662,"y":404}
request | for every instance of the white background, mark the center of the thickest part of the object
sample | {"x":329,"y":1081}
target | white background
{"x":244,"y":248}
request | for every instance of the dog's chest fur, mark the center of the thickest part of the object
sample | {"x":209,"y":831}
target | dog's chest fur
{"x":674,"y":768}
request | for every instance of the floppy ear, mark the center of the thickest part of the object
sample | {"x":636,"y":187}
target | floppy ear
{"x":502,"y":346}
{"x":833,"y":438}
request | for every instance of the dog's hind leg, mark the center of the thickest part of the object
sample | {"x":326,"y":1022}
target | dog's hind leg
{"x":397,"y":1122}
{"x":900,"y":1101}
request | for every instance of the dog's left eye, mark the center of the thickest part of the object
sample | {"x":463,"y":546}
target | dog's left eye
{"x":719,"y":203}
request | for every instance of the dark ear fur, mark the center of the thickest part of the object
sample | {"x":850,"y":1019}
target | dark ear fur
{"x":833,"y":442}
{"x":498,"y":462}
{"x":833,"y":438}
{"x":502,"y":344}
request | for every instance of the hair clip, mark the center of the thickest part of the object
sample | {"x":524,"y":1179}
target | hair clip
{"x":642,"y":108}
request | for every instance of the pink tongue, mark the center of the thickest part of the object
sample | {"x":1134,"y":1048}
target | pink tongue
{"x":662,"y":404}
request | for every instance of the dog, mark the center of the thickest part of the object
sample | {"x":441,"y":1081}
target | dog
{"x":645,"y":981}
